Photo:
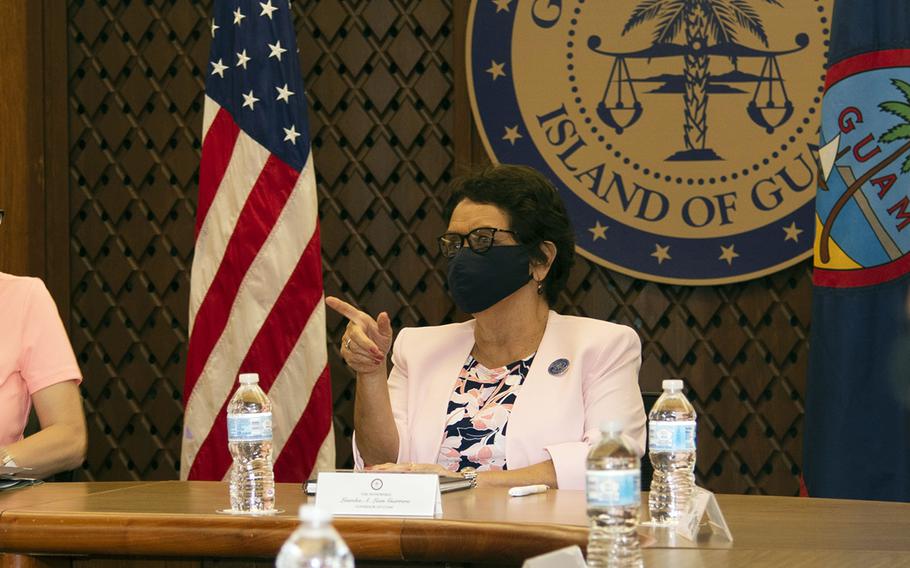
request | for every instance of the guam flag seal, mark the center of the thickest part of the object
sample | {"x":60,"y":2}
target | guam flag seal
{"x":857,"y":433}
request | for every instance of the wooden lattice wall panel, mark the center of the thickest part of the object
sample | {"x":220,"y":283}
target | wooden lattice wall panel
{"x":380,"y":82}
{"x":135,"y":113}
{"x":382,"y":98}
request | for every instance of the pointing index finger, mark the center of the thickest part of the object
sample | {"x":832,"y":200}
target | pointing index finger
{"x":345,"y":309}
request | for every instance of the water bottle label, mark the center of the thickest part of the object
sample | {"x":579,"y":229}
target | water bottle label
{"x":250,"y":427}
{"x":671,"y":436}
{"x":617,"y":488}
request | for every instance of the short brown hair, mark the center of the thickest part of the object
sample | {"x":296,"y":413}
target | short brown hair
{"x":535,"y":212}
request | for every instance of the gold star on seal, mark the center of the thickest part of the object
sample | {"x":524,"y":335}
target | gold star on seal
{"x":661,"y":253}
{"x":792,"y":232}
{"x":728,"y":254}
{"x":502,"y":5}
{"x":496,"y":69}
{"x":598,"y":231}
{"x":512,"y":134}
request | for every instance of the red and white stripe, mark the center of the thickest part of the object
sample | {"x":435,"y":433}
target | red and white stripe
{"x":256,"y":305}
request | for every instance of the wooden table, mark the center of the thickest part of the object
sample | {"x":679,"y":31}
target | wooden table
{"x":88,"y":522}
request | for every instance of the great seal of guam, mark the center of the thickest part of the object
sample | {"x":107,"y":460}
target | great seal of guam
{"x":682,"y":134}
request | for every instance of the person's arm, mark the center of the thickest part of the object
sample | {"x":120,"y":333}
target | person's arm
{"x":542,"y":473}
{"x":364,"y":347}
{"x":381,"y":420}
{"x":381,"y":436}
{"x":61,"y":443}
{"x":48,"y":367}
{"x":377,"y":435}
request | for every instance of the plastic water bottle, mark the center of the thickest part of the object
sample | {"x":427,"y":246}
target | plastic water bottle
{"x":315,"y":544}
{"x":671,"y":445}
{"x":614,"y":498}
{"x":249,"y":421}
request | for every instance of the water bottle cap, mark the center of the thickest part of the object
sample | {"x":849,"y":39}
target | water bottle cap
{"x":672,"y":384}
{"x":611,"y":427}
{"x":249,"y":378}
{"x":310,"y":515}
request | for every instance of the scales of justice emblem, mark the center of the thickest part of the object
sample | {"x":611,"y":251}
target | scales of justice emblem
{"x":770,"y":107}
{"x":682,"y":134}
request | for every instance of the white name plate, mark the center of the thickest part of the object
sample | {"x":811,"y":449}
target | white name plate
{"x":379,"y":494}
{"x":703,"y":502}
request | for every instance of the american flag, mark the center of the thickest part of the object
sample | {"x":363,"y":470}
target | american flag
{"x":256,"y":297}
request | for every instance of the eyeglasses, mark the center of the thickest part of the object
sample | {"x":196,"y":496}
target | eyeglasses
{"x":479,"y":240}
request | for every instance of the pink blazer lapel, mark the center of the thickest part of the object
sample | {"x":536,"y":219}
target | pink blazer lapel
{"x":534,"y":391}
{"x":542,"y":394}
{"x":431,"y":405}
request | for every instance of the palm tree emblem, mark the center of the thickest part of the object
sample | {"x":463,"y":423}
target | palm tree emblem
{"x":901,"y":131}
{"x":708,"y":28}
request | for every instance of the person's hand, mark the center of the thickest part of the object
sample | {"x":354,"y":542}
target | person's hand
{"x":366,"y":341}
{"x":414,"y":468}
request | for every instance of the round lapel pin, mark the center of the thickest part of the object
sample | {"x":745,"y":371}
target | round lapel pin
{"x":558,"y":367}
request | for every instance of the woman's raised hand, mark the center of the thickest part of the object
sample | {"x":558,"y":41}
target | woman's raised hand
{"x":366,"y":341}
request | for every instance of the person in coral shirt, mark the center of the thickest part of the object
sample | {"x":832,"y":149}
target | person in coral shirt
{"x":37,"y":367}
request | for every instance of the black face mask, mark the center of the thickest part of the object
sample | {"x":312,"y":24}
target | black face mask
{"x":478,"y":281}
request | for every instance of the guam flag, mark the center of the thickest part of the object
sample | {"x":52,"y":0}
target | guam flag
{"x":857,"y":432}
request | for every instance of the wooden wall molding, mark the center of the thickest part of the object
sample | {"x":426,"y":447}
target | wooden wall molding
{"x":34,"y":238}
{"x":21,"y":150}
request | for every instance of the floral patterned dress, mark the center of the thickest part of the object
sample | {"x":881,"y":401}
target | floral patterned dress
{"x":478,"y":415}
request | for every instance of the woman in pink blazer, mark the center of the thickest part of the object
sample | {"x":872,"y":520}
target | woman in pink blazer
{"x":516,"y":395}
